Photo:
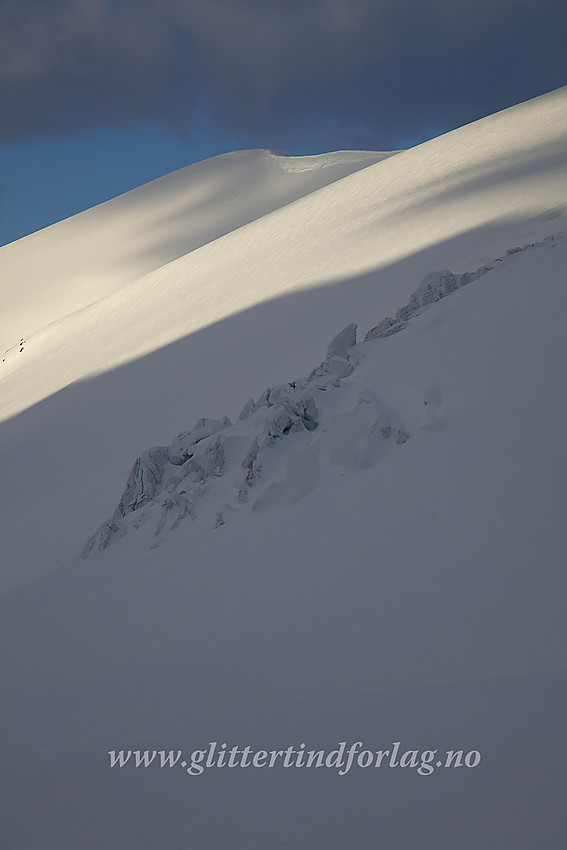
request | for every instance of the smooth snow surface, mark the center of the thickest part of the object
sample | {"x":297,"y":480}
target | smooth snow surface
{"x":74,"y":263}
{"x":369,"y":550}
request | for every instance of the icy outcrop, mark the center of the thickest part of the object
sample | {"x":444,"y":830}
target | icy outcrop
{"x":386,"y":327}
{"x":264,"y":400}
{"x":179,"y":479}
{"x":143,"y":481}
{"x":217,"y":465}
{"x":292,"y":416}
{"x":101,"y":538}
{"x":210,"y":462}
{"x":183,"y":447}
{"x":433,"y":287}
{"x":439,"y":284}
{"x":277,"y":395}
{"x":304,"y":412}
{"x":339,"y":362}
{"x":176,"y":478}
{"x":340,"y":345}
{"x":247,"y":410}
{"x":517,"y":249}
{"x":251,"y":462}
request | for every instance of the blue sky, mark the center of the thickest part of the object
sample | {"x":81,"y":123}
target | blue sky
{"x":100,"y":96}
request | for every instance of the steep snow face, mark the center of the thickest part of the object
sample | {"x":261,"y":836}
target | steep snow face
{"x":76,"y":262}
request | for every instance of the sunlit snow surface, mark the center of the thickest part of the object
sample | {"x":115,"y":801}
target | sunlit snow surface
{"x":359,"y":587}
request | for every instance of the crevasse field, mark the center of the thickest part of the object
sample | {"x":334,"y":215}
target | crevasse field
{"x":283,"y":468}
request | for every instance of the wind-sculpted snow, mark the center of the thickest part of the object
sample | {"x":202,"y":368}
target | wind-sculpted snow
{"x":271,"y":455}
{"x":293,"y":164}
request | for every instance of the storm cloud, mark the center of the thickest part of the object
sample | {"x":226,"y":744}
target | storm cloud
{"x":354,"y":72}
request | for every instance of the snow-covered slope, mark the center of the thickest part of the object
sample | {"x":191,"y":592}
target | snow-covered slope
{"x":212,"y":471}
{"x":67,"y":266}
{"x":387,"y":567}
{"x":381,"y":228}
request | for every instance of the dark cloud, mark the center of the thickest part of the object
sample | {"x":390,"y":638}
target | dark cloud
{"x":351,"y":72}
